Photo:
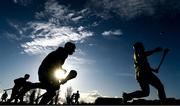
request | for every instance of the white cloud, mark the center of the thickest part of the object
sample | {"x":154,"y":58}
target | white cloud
{"x":70,"y":15}
{"x":112,"y":33}
{"x":80,"y":28}
{"x":84,"y":10}
{"x":77,"y":18}
{"x":46,"y":36}
{"x":89,"y":97}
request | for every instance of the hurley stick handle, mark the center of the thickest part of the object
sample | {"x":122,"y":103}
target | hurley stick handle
{"x":163,"y":57}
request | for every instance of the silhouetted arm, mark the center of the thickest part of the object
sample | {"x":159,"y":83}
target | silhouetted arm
{"x":158,"y":49}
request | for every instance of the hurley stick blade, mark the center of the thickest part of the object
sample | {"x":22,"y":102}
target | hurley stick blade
{"x":72,"y":74}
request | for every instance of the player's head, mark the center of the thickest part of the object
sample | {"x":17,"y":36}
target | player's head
{"x":70,"y":47}
{"x":26,"y":76}
{"x":138,"y":46}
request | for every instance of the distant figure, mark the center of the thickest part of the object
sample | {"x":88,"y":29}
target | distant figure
{"x":72,"y":98}
{"x":19,"y":84}
{"x":76,"y":97}
{"x":53,"y":61}
{"x":4,"y":96}
{"x":144,"y":74}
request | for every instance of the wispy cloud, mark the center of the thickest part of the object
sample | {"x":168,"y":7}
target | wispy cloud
{"x":112,"y":33}
{"x":81,"y":60}
{"x":51,"y":28}
{"x":130,"y":9}
{"x":47,"y":36}
{"x":12,"y":36}
{"x":77,"y":18}
{"x":94,"y":24}
{"x":82,"y":53}
{"x":61,"y":13}
{"x":18,"y":31}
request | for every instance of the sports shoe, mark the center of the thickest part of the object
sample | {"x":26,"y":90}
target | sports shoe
{"x":126,"y":98}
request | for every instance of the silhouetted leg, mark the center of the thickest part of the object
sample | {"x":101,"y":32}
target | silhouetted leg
{"x":141,"y":93}
{"x":51,"y":92}
{"x":47,"y":97}
{"x":155,"y":82}
{"x":13,"y":94}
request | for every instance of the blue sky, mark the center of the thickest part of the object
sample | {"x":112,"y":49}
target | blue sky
{"x":104,"y":32}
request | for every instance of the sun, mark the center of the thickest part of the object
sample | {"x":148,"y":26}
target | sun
{"x":59,"y":74}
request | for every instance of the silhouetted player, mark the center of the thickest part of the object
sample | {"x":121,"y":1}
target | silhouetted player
{"x":19,"y":84}
{"x":53,"y":61}
{"x":145,"y":75}
{"x":4,"y":96}
{"x":76,"y":97}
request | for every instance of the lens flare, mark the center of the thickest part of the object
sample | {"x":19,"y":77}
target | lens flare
{"x":59,"y":74}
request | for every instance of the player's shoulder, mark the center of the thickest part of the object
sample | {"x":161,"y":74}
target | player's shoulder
{"x":18,"y":79}
{"x":60,"y":49}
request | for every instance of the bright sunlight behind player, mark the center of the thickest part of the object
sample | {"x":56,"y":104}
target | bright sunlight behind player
{"x":60,"y":74}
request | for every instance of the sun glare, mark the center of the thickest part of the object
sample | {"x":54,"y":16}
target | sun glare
{"x":59,"y":74}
